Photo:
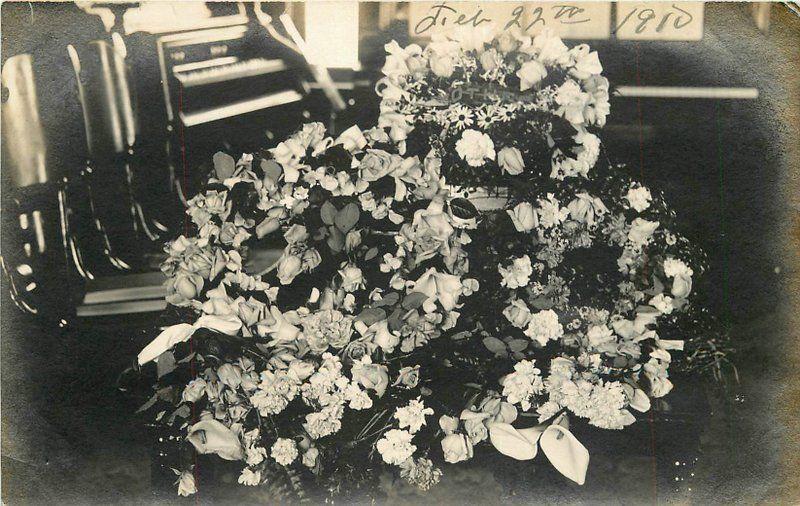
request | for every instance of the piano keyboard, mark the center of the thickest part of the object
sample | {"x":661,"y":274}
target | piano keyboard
{"x":227,"y":72}
{"x":191,"y":119}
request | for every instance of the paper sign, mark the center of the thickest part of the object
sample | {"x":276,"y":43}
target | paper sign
{"x":578,"y":20}
{"x":659,"y":21}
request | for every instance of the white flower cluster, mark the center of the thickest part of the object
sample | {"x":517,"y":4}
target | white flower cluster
{"x":475,"y":74}
{"x":523,"y":384}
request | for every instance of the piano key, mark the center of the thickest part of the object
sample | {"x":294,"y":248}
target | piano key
{"x":222,"y":73}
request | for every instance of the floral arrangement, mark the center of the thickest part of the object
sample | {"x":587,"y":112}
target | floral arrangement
{"x":302,"y":361}
{"x":364,"y":344}
{"x":493,"y":107}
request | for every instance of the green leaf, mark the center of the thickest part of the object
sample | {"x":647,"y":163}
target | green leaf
{"x":371,"y":315}
{"x":516,"y":345}
{"x":461,"y":335}
{"x":390,"y":299}
{"x":347,"y":218}
{"x":370,"y":254}
{"x":328,"y":213}
{"x":165,"y":364}
{"x":184,"y":411}
{"x":542,"y":303}
{"x":336,"y":240}
{"x":495,"y":345}
{"x":149,"y":404}
{"x":394,"y":320}
{"x":224,"y":165}
{"x":414,"y":300}
{"x":271,"y":169}
{"x":463,"y":209}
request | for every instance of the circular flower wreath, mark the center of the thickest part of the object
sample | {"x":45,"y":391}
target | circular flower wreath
{"x":496,"y":107}
{"x":319,"y":354}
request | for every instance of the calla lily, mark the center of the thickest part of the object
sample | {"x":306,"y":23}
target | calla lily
{"x":560,"y":447}
{"x":565,"y":452}
{"x":211,"y":436}
{"x":640,"y":401}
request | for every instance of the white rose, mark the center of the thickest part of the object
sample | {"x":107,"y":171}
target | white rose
{"x":289,"y":266}
{"x":301,"y":369}
{"x":475,"y":147}
{"x":442,"y":65}
{"x":371,"y":376}
{"x":550,"y":49}
{"x":295,"y":234}
{"x":490,"y":59}
{"x":352,"y":278}
{"x":510,"y":160}
{"x":408,"y":376}
{"x":449,"y":424}
{"x":401,"y":61}
{"x":517,"y":275}
{"x":681,"y":286}
{"x":352,"y":139}
{"x":517,"y":313}
{"x":524,"y":217}
{"x":194,"y":390}
{"x":584,"y":208}
{"x":586,"y":63}
{"x":530,"y":74}
{"x":456,"y":447}
{"x":230,"y":375}
{"x":399,"y":125}
{"x":446,"y":288}
{"x":382,"y":336}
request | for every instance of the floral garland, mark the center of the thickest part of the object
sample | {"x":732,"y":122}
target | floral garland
{"x":495,"y":107}
{"x":294,"y":359}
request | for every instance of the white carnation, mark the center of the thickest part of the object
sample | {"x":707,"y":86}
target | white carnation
{"x":412,"y":416}
{"x":284,"y":451}
{"x":395,"y":446}
{"x":639,"y":198}
{"x":475,"y":147}
{"x":674,"y":267}
{"x":544,"y":326}
{"x":522,"y":384}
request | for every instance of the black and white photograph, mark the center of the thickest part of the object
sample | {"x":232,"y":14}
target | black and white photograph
{"x":399,"y":253}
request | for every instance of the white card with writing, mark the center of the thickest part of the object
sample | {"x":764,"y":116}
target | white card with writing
{"x":659,"y":21}
{"x":576,"y":20}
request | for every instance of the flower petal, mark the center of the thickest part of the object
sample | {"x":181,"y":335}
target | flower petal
{"x":508,"y":441}
{"x":565,"y":452}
